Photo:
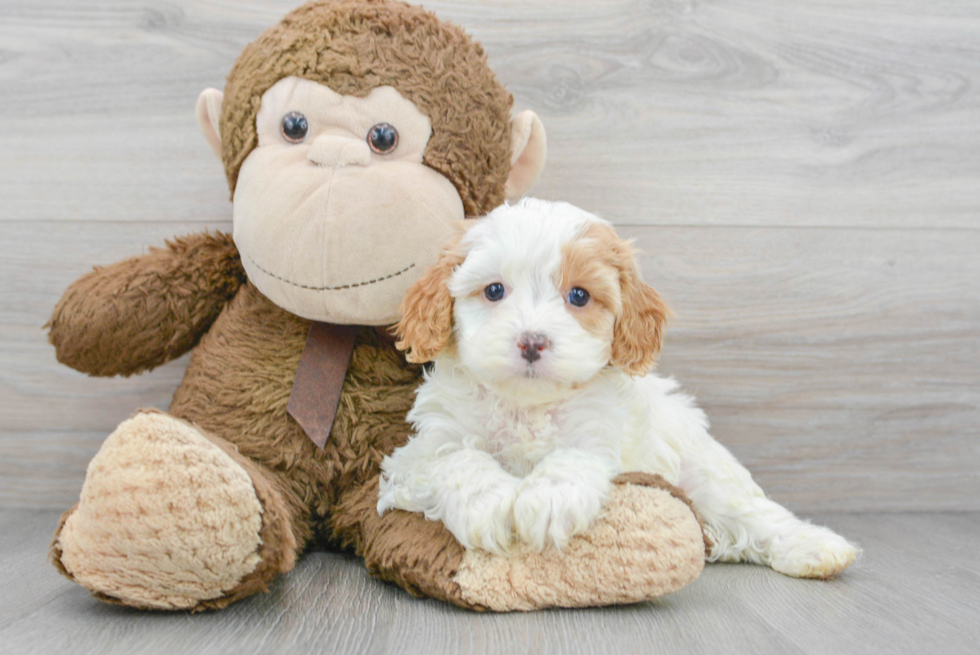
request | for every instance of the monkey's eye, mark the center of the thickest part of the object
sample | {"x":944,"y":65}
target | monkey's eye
{"x":494,"y":292}
{"x":578,"y":297}
{"x":294,"y":127}
{"x":383,"y":138}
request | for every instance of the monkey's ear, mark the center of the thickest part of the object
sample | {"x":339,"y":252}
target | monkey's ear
{"x":208,"y":112}
{"x":529,"y":148}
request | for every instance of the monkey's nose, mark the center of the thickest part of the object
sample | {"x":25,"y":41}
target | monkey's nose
{"x":332,"y":150}
{"x":531,"y":346}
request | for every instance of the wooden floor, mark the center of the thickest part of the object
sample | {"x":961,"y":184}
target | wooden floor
{"x":916,"y":590}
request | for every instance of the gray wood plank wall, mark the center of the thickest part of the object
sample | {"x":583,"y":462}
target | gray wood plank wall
{"x":804,"y":177}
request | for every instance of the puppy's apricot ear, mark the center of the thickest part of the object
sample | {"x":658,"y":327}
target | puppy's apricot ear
{"x":427,"y":311}
{"x":639,"y":331}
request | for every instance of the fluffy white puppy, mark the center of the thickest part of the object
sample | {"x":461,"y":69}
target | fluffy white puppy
{"x":539,"y":325}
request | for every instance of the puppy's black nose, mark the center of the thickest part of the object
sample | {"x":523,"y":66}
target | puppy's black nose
{"x":531,"y":346}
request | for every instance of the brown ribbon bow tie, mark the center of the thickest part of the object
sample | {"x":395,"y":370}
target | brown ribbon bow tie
{"x":320,"y":377}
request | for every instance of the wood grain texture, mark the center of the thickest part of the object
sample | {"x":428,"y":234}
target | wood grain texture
{"x":804,"y":176}
{"x":666,"y":112}
{"x":840,"y":365}
{"x":915,"y":590}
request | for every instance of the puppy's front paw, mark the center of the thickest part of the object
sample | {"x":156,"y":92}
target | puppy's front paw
{"x":551,"y":511}
{"x":484,"y":520}
{"x":812,"y":552}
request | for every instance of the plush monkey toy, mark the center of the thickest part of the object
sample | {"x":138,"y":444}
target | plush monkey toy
{"x":354,"y":134}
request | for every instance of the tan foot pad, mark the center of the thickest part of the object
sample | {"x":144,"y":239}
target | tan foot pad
{"x":166,"y":518}
{"x":645,"y":544}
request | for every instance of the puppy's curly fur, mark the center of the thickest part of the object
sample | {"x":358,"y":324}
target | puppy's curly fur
{"x":543,"y":335}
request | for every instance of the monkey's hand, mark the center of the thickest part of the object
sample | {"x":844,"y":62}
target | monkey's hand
{"x":144,"y":311}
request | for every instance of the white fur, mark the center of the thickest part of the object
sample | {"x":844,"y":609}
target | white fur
{"x":503,"y":447}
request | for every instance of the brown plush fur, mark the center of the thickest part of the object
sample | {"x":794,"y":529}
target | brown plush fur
{"x":144,"y":311}
{"x":644,"y":531}
{"x":237,"y":387}
{"x":235,"y":391}
{"x":658,"y":482}
{"x":279,"y":548}
{"x":354,"y":46}
{"x":420,"y":556}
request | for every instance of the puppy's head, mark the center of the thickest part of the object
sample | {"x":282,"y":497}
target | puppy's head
{"x":535,"y":298}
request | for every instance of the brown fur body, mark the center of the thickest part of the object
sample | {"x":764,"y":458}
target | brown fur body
{"x":142,"y":312}
{"x":236,"y":389}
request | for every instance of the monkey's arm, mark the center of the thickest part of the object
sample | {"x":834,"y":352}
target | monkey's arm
{"x":144,"y":311}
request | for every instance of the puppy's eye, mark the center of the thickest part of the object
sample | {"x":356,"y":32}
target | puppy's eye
{"x":578,"y":297}
{"x":494,"y":292}
{"x":294,"y":127}
{"x":383,"y":138}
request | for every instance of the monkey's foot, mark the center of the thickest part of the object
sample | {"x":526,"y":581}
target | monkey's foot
{"x":168,"y":519}
{"x":645,"y":543}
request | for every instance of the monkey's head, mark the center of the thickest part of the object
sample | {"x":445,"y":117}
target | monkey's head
{"x":354,"y":134}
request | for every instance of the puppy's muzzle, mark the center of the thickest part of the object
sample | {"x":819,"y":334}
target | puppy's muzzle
{"x":531,"y":346}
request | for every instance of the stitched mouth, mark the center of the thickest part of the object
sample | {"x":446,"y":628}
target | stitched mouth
{"x":340,"y":287}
